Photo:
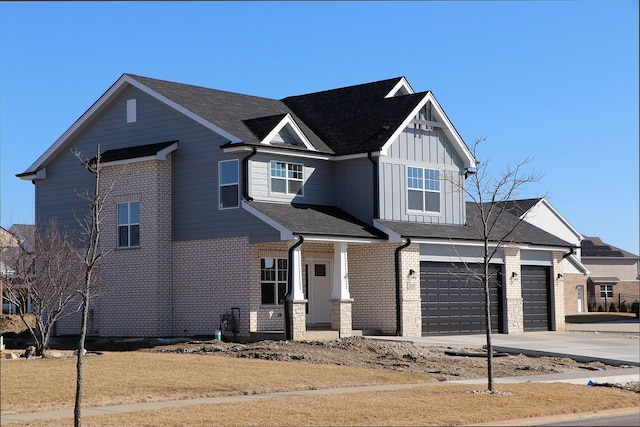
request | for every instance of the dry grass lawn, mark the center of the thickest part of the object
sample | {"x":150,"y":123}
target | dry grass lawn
{"x":139,"y":376}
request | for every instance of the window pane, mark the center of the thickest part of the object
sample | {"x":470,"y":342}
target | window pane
{"x":268,"y":293}
{"x":134,"y":213}
{"x":295,"y":171}
{"x":229,"y":196}
{"x":282,"y":289}
{"x":414,"y":178}
{"x":278,"y":185}
{"x":134,"y":235}
{"x":432,"y":201}
{"x":123,"y":236}
{"x":228,"y":172}
{"x":278,"y":169}
{"x":123,"y":213}
{"x":295,"y":187}
{"x":415,"y":200}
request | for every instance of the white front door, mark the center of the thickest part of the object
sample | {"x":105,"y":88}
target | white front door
{"x":319,"y":291}
{"x":580,"y":298}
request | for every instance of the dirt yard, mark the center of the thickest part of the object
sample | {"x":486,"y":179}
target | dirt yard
{"x":442,"y":363}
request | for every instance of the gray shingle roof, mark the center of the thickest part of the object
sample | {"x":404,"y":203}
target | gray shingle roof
{"x":519,"y":207}
{"x":132,"y":152}
{"x":316,"y":220}
{"x":595,"y":247}
{"x":524,"y":233}
{"x":228,"y":110}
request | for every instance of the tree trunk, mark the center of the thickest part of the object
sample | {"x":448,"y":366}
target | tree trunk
{"x":487,"y":314}
{"x":77,"y":421}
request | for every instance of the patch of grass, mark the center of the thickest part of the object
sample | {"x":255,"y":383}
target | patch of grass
{"x":438,"y":404}
{"x":114,"y":378}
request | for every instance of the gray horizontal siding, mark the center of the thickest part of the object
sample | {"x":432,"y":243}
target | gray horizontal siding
{"x":354,"y":188}
{"x":319,"y":188}
{"x":195,"y":213}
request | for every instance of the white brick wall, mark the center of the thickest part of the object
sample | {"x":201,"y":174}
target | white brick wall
{"x":514,"y":321}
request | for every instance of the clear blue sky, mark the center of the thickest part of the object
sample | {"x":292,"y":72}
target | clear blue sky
{"x":554,"y":80}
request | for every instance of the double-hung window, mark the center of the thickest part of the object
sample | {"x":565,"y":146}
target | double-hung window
{"x":129,"y":225}
{"x":423,"y":188}
{"x":228,"y":184}
{"x":273,"y":280}
{"x":606,"y":291}
{"x":287,"y":178}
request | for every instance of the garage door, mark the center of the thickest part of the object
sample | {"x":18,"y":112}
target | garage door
{"x":535,"y":298}
{"x":453,"y":302}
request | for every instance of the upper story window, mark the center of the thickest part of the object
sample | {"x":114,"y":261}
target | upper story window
{"x":228,"y":184}
{"x":423,"y":187}
{"x":129,"y":225}
{"x":287,"y":178}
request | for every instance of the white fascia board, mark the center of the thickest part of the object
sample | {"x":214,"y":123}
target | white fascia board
{"x":562,"y":219}
{"x":393,"y":236}
{"x":458,"y":144}
{"x":285,"y":233}
{"x":288,"y":120}
{"x":573,"y":260}
{"x":280,"y":152}
{"x":162,"y":154}
{"x":340,"y":239}
{"x":479,"y":243}
{"x":355,"y":156}
{"x":402,"y":84}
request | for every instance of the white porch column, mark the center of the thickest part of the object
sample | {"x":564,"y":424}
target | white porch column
{"x":340,"y":297}
{"x":296,"y":301}
{"x":340,"y":287}
{"x":297,"y":292}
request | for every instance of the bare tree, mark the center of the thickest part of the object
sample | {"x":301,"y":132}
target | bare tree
{"x":45,"y":280}
{"x":90,"y":255}
{"x":497,"y":227}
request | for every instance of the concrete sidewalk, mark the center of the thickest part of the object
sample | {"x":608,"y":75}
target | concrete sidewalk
{"x":614,"y":375}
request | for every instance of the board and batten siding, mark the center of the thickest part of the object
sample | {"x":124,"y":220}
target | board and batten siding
{"x":319,"y":183}
{"x":425,"y":149}
{"x":194,"y":180}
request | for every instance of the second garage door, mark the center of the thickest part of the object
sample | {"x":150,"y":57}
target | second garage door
{"x":453,"y":302}
{"x":535,"y":298}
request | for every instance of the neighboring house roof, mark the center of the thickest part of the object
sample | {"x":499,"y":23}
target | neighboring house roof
{"x":311,"y":220}
{"x":351,"y":120}
{"x":594,"y":247}
{"x":26,"y":234}
{"x":524,"y":233}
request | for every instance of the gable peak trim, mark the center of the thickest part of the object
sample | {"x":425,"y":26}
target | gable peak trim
{"x":287,"y":121}
{"x":401,"y":88}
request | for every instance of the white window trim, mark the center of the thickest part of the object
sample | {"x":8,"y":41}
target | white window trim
{"x":286,"y":180}
{"x":128,"y":224}
{"x":276,"y":282}
{"x":220,"y":185}
{"x":132,"y":110}
{"x":423,"y":190}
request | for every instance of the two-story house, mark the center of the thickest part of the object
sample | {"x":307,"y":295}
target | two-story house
{"x":338,"y":210}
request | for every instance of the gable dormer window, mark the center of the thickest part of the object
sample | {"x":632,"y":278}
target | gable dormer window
{"x":287,"y":178}
{"x":423,"y":189}
{"x":286,"y":137}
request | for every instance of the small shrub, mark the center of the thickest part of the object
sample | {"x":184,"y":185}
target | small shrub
{"x":600,"y":309}
{"x":612,"y":307}
{"x":623,"y":307}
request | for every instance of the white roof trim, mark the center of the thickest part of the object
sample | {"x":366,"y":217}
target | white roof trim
{"x":561,"y":218}
{"x":573,"y":260}
{"x":402,"y":84}
{"x":103,"y":102}
{"x":39,"y":174}
{"x":339,"y":239}
{"x":393,"y":236}
{"x":285,"y":233}
{"x":279,"y":151}
{"x":288,"y":120}
{"x":457,"y":142}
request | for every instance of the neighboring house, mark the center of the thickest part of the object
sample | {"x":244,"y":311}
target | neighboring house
{"x":614,"y":275}
{"x":339,"y":210}
{"x":542,"y":214}
{"x":19,"y":240}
